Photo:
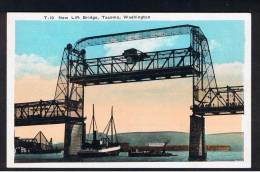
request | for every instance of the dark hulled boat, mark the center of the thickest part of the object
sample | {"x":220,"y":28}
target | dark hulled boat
{"x":104,"y":145}
{"x":149,"y":152}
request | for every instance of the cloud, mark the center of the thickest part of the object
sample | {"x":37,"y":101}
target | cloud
{"x":229,"y":73}
{"x":145,"y":45}
{"x":213,"y":44}
{"x":32,"y":64}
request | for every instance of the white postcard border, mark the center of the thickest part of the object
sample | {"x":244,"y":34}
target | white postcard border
{"x":246,"y":124}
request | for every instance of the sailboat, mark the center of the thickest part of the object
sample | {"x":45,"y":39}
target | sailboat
{"x":104,"y":145}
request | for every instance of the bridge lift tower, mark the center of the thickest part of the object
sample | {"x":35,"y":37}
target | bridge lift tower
{"x":77,"y":71}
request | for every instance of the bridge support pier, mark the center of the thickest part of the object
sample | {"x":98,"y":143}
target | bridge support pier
{"x":197,"y":147}
{"x":74,"y":137}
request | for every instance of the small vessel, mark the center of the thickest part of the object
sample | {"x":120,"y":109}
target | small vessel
{"x":107,"y":143}
{"x":149,"y":152}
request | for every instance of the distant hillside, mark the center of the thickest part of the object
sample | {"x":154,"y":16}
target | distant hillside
{"x":235,"y":140}
{"x":141,"y":138}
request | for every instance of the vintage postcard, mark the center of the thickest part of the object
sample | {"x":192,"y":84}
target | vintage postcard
{"x":129,"y":90}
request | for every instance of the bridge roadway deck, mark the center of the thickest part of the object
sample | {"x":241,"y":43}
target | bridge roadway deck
{"x":223,"y":110}
{"x":45,"y":120}
{"x":135,"y":76}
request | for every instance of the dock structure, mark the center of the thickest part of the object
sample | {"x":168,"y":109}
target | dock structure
{"x":38,"y":144}
{"x":78,"y":71}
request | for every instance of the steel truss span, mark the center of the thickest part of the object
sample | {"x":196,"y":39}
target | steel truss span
{"x":42,"y":112}
{"x":224,"y":101}
{"x":176,"y":63}
{"x":193,"y":61}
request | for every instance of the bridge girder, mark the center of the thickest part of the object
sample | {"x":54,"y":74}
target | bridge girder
{"x":137,"y":35}
{"x":43,"y":112}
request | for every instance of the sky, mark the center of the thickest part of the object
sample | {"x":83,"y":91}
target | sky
{"x":147,"y":106}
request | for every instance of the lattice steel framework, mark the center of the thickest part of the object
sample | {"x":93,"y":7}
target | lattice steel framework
{"x":223,"y":100}
{"x":193,"y":61}
{"x":76,"y":71}
{"x":68,"y":102}
{"x":176,"y":63}
{"x":41,"y":112}
{"x":70,"y":93}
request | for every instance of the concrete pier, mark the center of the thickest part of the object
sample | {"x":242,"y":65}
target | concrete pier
{"x":74,"y":135}
{"x":197,"y":148}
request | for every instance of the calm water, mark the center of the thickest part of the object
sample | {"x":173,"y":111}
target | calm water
{"x":123,"y":156}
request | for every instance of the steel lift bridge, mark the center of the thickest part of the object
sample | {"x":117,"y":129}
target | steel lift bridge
{"x":77,"y":71}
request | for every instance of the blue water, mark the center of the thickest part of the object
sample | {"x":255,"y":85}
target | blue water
{"x":123,"y":157}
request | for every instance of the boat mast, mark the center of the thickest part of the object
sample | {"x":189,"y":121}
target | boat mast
{"x":111,"y":127}
{"x":93,"y":119}
{"x":112,"y":140}
{"x":94,"y":125}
